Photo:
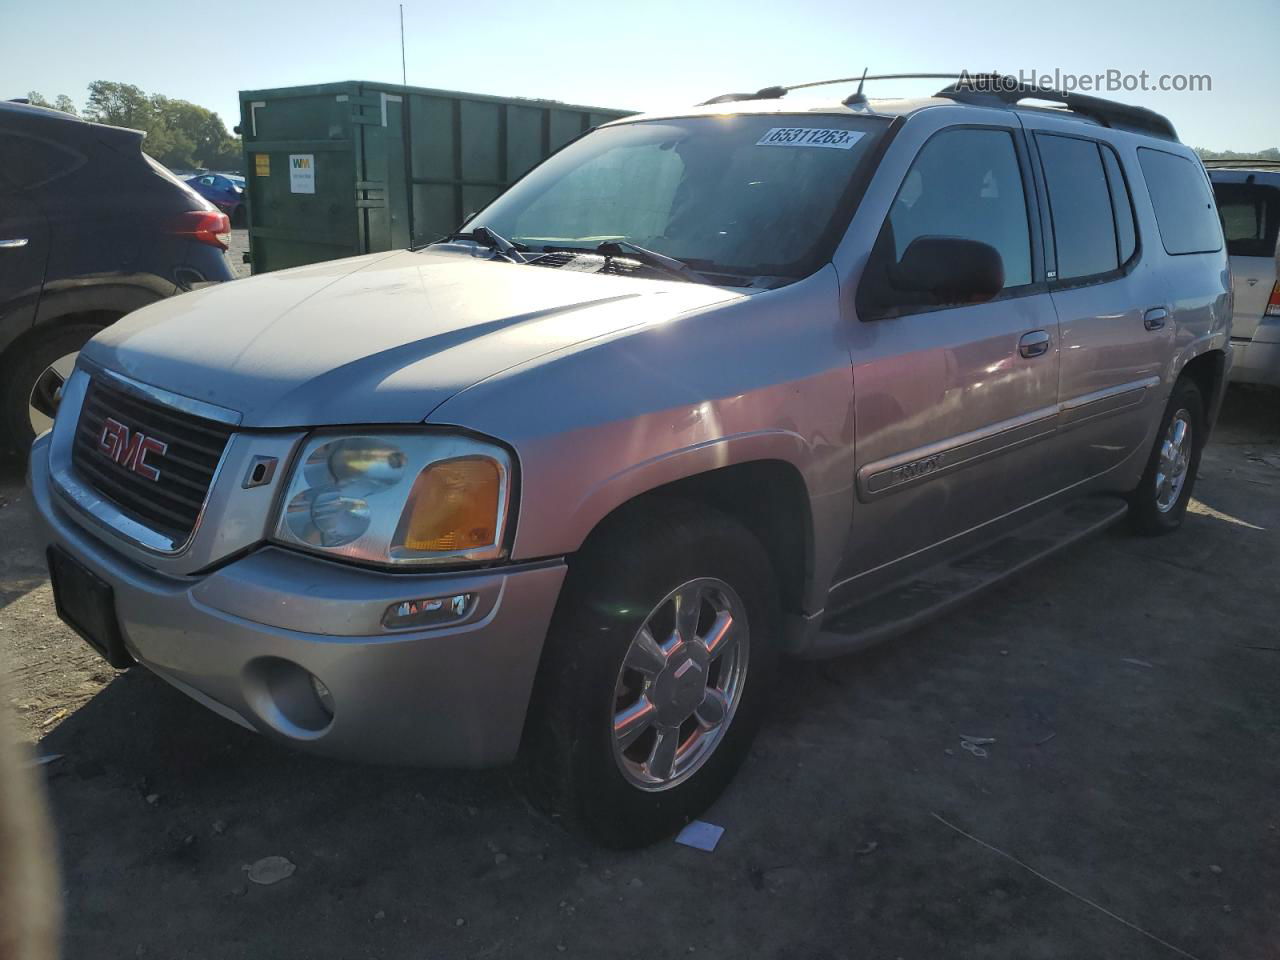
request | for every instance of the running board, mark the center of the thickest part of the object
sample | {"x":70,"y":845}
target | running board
{"x":942,"y":587}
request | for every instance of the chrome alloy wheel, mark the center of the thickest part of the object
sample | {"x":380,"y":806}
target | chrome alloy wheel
{"x":680,"y":683}
{"x":43,"y":402}
{"x":1175,"y":459}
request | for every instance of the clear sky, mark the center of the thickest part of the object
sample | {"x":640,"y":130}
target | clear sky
{"x":651,"y":54}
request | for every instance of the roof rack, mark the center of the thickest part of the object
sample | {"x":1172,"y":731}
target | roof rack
{"x":775,"y":93}
{"x":991,"y":90}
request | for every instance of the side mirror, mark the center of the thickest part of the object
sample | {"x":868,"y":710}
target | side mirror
{"x":949,"y":270}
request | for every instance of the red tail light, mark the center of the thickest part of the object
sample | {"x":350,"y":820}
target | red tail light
{"x":1273,"y":305}
{"x":204,"y":226}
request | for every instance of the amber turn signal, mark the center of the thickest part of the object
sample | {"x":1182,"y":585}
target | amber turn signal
{"x":453,"y":506}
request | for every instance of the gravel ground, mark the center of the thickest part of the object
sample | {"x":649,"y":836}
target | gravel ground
{"x":239,"y":247}
{"x":1126,"y":809}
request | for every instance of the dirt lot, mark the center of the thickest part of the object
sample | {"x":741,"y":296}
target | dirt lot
{"x":1132,"y":686}
{"x":239,"y":247}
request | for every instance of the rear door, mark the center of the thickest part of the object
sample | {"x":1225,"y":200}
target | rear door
{"x":955,"y":405}
{"x":1250,"y":213}
{"x":1115,"y":318}
{"x":24,"y":253}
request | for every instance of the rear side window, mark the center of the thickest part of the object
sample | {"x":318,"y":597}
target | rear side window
{"x":1080,"y":202}
{"x":29,"y":162}
{"x":1250,"y":217}
{"x":1121,"y":205}
{"x":1185,"y":211}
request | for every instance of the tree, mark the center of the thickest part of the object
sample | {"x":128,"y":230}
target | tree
{"x":1271,"y":153}
{"x":180,"y":134}
{"x":61,"y":102}
{"x":119,"y":104}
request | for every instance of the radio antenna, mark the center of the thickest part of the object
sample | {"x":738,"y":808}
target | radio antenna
{"x":857,"y":96}
{"x":403,"y":68}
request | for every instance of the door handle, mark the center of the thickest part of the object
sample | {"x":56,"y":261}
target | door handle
{"x":1154,"y":318}
{"x":13,"y":244}
{"x":1034,"y":344}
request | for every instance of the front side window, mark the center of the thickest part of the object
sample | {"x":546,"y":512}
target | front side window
{"x":966,"y":183}
{"x":1185,"y":211}
{"x":751,"y":195}
{"x":1080,"y":203}
{"x":1250,"y":217}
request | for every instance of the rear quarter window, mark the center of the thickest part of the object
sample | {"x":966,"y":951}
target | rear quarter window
{"x":1185,"y":211}
{"x":1250,"y":217}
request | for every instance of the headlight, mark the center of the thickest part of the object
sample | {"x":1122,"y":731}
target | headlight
{"x":398,"y":498}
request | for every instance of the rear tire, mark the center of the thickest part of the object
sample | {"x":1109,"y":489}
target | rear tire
{"x":575,"y":764}
{"x":1159,"y":503}
{"x":25,"y":378}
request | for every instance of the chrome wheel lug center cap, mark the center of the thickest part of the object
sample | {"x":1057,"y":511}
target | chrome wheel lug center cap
{"x":679,"y":689}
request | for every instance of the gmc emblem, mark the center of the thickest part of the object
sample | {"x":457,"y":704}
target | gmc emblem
{"x":129,"y":449}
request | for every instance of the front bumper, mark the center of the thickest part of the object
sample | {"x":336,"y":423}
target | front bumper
{"x":237,"y":638}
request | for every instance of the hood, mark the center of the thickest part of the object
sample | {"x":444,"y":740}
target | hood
{"x":383,"y":338}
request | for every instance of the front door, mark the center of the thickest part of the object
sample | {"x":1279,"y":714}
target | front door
{"x":954,"y":405}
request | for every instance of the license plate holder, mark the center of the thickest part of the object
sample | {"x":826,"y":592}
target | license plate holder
{"x":86,"y":603}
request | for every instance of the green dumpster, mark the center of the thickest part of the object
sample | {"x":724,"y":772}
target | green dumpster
{"x":339,"y":169}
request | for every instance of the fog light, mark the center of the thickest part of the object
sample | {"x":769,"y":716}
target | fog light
{"x":429,"y":612}
{"x":322,"y":694}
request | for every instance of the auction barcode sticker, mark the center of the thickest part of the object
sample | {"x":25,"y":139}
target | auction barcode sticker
{"x":809,"y":137}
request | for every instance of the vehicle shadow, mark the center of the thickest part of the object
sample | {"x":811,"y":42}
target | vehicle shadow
{"x":22,"y":566}
{"x":155,"y":793}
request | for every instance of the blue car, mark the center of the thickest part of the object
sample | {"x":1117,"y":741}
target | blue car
{"x":225,"y":191}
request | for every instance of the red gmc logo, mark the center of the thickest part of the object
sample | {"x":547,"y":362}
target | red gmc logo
{"x":129,"y":449}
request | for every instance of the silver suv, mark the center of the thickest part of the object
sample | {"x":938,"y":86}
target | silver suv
{"x":758,"y":377}
{"x":1248,"y":194}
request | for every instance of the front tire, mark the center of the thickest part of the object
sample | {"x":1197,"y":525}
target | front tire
{"x":656,"y":673}
{"x":1159,"y":503}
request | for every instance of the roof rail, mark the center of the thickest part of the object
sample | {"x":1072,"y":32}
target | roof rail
{"x":774,"y":93}
{"x":991,"y":88}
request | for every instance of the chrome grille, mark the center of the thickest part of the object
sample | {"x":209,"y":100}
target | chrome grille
{"x":170,"y":503}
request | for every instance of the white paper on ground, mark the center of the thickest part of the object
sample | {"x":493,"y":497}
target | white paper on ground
{"x":700,"y":835}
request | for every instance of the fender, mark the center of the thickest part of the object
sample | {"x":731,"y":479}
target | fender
{"x":1218,"y":340}
{"x":112,"y":293}
{"x":563,"y":530}
{"x":117,"y":292}
{"x":609,"y":494}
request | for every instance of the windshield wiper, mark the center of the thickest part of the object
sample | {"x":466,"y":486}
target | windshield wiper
{"x":651,"y":258}
{"x":494,"y":241}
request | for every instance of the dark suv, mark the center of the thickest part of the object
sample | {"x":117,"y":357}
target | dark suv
{"x":90,"y":229}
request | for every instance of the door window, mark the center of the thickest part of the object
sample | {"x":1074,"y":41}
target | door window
{"x":1082,"y":207}
{"x":1121,"y":205}
{"x":965,"y":183}
{"x":30,"y":162}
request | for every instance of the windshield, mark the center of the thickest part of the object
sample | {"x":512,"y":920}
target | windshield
{"x":752,"y":195}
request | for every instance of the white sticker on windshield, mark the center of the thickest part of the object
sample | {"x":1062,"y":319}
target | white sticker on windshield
{"x":809,"y":137}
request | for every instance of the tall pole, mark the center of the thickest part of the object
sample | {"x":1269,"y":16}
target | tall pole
{"x":404,"y":72}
